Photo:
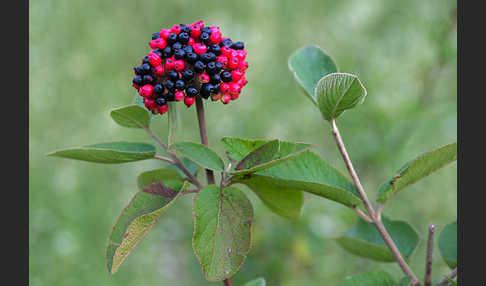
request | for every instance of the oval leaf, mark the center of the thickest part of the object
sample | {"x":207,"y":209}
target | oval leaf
{"x":256,"y":282}
{"x":309,"y":64}
{"x":448,"y":244}
{"x":416,"y":170}
{"x":108,"y":153}
{"x":260,"y":155}
{"x":138,"y":100}
{"x":309,"y":173}
{"x":365,"y":241}
{"x":282,"y":200}
{"x":132,"y":116}
{"x":379,"y":278}
{"x":337,"y":92}
{"x":200,"y":154}
{"x":222,"y":230}
{"x":159,"y":189}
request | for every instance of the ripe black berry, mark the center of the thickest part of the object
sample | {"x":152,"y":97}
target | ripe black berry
{"x":173,"y":75}
{"x":185,"y":28}
{"x":183,"y":37}
{"x":206,"y":30}
{"x":226,"y":76}
{"x":206,"y":90}
{"x":226,"y":42}
{"x":158,"y":88}
{"x":155,"y":35}
{"x":137,"y":80}
{"x":169,"y":96}
{"x":204,"y":38}
{"x":191,"y":57}
{"x":145,"y":60}
{"x":199,"y":66}
{"x":138,"y":70}
{"x":208,"y":57}
{"x":176,"y":46}
{"x":170,"y":85}
{"x":148,"y":79}
{"x":179,"y":54}
{"x":191,"y":91}
{"x":161,"y":101}
{"x":159,"y":52}
{"x":188,"y":49}
{"x":172,"y":38}
{"x":187,"y":75}
{"x":146,"y":68}
{"x":215,"y":79}
{"x":167,"y":52}
{"x":238,"y":46}
{"x":180,"y":85}
{"x":215,"y":49}
{"x":219,"y":66}
{"x":211,"y":68}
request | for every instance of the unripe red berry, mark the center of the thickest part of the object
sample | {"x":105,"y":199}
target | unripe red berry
{"x":188,"y":101}
{"x":179,"y":65}
{"x":159,"y":70}
{"x":226,"y":98}
{"x":241,"y":55}
{"x":169,"y":64}
{"x":153,"y":45}
{"x":216,"y":97}
{"x":204,"y":78}
{"x":225,"y":88}
{"x":191,"y":42}
{"x":200,"y":23}
{"x":222,"y":59}
{"x":164,"y":33}
{"x":160,"y":43}
{"x":215,"y":37}
{"x":175,"y":29}
{"x":135,"y":86}
{"x":149,"y":103}
{"x":179,"y":95}
{"x":195,"y":31}
{"x":236,"y":74}
{"x":225,"y":51}
{"x":146,"y":90}
{"x":199,"y":48}
{"x":242,"y":82}
{"x":233,"y":62}
{"x":243,"y":65}
{"x":235,"y":96}
{"x":234,"y":88}
{"x":154,"y":60}
{"x":163,"y":109}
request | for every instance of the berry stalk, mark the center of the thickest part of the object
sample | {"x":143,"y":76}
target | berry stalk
{"x":204,"y":133}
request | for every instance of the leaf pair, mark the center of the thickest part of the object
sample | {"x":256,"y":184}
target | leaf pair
{"x":331,"y":91}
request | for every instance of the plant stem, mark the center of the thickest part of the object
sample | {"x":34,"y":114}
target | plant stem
{"x":445,"y":282}
{"x":428,"y":259}
{"x":227,"y":282}
{"x":175,"y":160}
{"x":204,"y":133}
{"x":165,"y":159}
{"x":376,"y":219}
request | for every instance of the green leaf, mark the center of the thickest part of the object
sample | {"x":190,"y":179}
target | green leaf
{"x":222,"y":230}
{"x":138,"y":100}
{"x":256,"y":282}
{"x":309,"y":173}
{"x":379,"y":278}
{"x":159,"y":189}
{"x":448,"y":244}
{"x":338,"y":92}
{"x":237,"y":148}
{"x":416,"y":170}
{"x":309,"y":64}
{"x":132,"y":116}
{"x":452,"y":282}
{"x":282,"y":200}
{"x":268,"y":155}
{"x":365,"y":241}
{"x":108,"y":153}
{"x":192,"y":167}
{"x":405,"y":281}
{"x":173,"y":121}
{"x":200,"y":154}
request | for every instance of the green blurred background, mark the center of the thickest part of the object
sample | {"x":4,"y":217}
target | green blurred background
{"x":81,"y":59}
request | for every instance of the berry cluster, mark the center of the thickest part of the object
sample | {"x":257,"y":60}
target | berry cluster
{"x":188,"y":61}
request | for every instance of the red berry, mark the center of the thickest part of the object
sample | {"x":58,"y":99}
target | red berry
{"x":135,"y":86}
{"x":233,"y":62}
{"x":191,"y":42}
{"x":169,"y":64}
{"x":217,"y":96}
{"x":175,"y":29}
{"x":242,"y":82}
{"x":236,"y":74}
{"x":225,"y":51}
{"x":146,"y":90}
{"x":204,"y":78}
{"x":241,"y":54}
{"x":154,"y":59}
{"x":195,"y":31}
{"x":223,"y":60}
{"x":225,"y":88}
{"x":243,"y":65}
{"x":160,"y":43}
{"x":199,"y":48}
{"x":164,"y":33}
{"x":179,"y":95}
{"x":235,"y":96}
{"x":149,"y":103}
{"x":163,"y":109}
{"x":234,"y":88}
{"x":153,"y":45}
{"x":159,"y":70}
{"x":188,"y":101}
{"x":179,"y":65}
{"x":200,"y":23}
{"x":226,"y":98}
{"x":214,"y":29}
{"x":215,"y":38}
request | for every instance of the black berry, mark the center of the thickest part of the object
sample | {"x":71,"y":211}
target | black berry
{"x":180,"y":85}
{"x":173,"y":75}
{"x":161,"y":101}
{"x":208,"y":57}
{"x":138,"y":70}
{"x":204,"y":38}
{"x":169,"y":96}
{"x":179,"y":54}
{"x":148,"y":79}
{"x":187,"y":75}
{"x":238,"y":46}
{"x":206,"y":30}
{"x":167,"y":52}
{"x":155,"y":35}
{"x":226,"y":76}
{"x":137,"y":80}
{"x":170,"y":85}
{"x":188,"y":49}
{"x":215,"y":79}
{"x":176,"y":46}
{"x":145,"y":60}
{"x":191,"y":57}
{"x":206,"y":90}
{"x":183,"y":37}
{"x":191,"y":91}
{"x":199,"y":67}
{"x":185,"y":28}
{"x":226,"y":42}
{"x":158,"y":88}
{"x":172,"y":38}
{"x":215,"y":49}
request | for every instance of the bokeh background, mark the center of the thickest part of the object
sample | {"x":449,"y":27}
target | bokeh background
{"x":81,"y":59}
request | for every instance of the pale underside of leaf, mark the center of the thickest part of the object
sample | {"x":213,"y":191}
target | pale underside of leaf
{"x":419,"y":168}
{"x":448,"y":244}
{"x":132,"y":116}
